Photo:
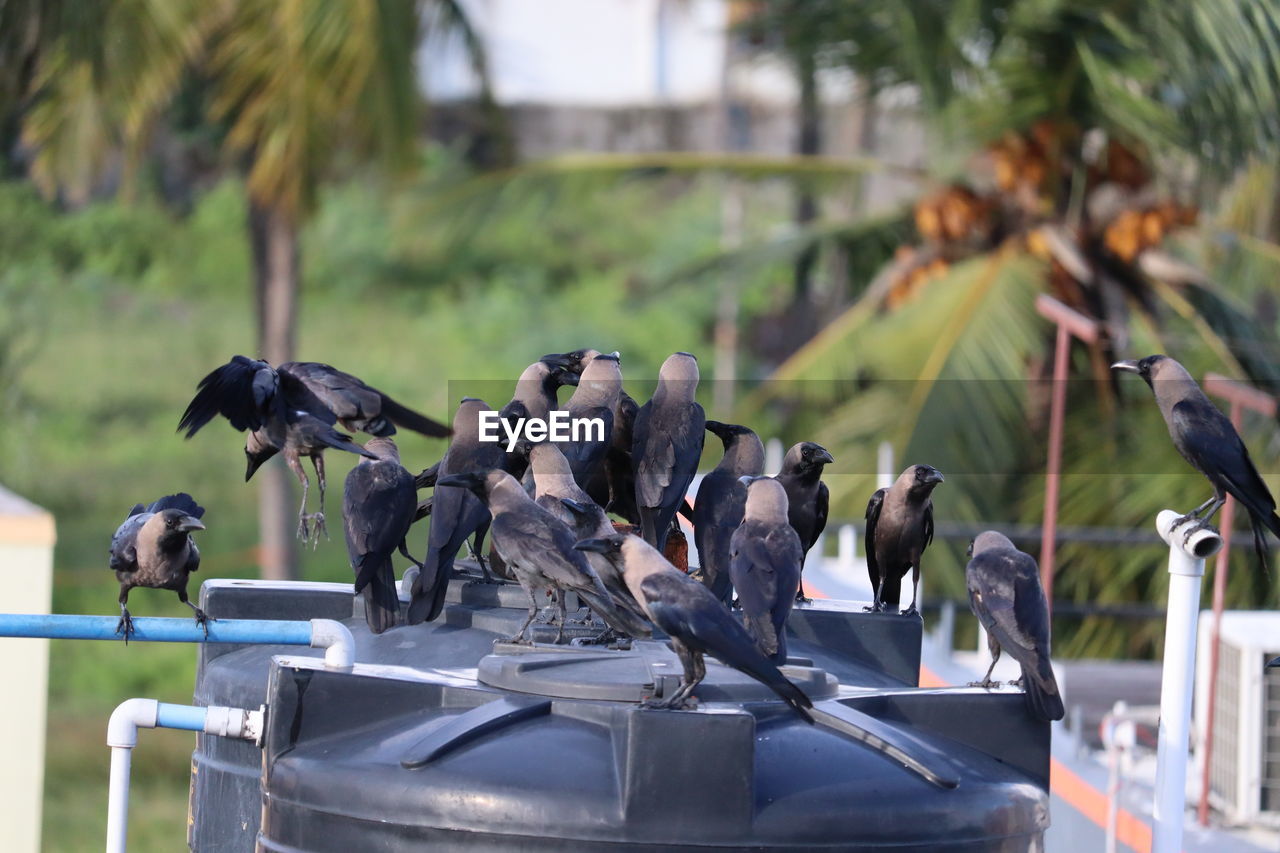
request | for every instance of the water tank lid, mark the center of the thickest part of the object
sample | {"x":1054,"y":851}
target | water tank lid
{"x":648,"y":669}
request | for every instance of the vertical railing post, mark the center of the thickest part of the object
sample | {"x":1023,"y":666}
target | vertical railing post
{"x":1070,"y":323}
{"x":1187,"y":553}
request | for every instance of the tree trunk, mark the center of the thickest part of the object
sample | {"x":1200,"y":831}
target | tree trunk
{"x":809,"y":143}
{"x":273,"y":235}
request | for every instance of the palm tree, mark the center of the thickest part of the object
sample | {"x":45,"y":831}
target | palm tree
{"x":293,"y":85}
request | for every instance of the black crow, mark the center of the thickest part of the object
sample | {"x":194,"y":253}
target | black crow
{"x":718,"y":510}
{"x":667,"y":446}
{"x":379,"y":505}
{"x":899,"y":529}
{"x":1006,"y":596}
{"x":538,"y":548}
{"x":293,"y":409}
{"x":1205,"y":438}
{"x":807,"y":496}
{"x":694,"y":620}
{"x":456,"y":514}
{"x":154,"y":548}
{"x":765,"y":559}
{"x":556,"y":491}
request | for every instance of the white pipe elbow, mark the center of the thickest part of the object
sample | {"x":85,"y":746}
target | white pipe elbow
{"x":1201,"y":544}
{"x":127,"y":718}
{"x":338,"y":644}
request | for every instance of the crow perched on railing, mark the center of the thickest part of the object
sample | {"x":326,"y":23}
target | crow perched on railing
{"x":1205,"y":438}
{"x":899,"y":528}
{"x":154,"y":548}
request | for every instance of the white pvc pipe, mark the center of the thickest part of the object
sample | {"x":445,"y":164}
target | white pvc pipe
{"x":122,"y":737}
{"x":338,"y":644}
{"x":1186,"y":568}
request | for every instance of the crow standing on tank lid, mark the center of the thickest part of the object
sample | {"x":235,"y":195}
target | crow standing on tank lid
{"x":154,"y":548}
{"x":667,"y":446}
{"x":535,"y":396}
{"x":593,"y":402}
{"x":807,"y":496}
{"x":456,"y":515}
{"x":558,"y":493}
{"x":1205,"y":438}
{"x":614,"y":484}
{"x":1006,"y":596}
{"x":379,"y":505}
{"x":899,"y":528}
{"x":694,"y":620}
{"x":538,"y":548}
{"x":765,"y":558}
{"x":293,"y":409}
{"x":721,"y":497}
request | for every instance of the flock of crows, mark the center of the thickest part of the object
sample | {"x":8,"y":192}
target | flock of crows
{"x":547,"y":506}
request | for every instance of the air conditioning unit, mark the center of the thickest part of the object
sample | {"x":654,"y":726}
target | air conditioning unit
{"x":1244,"y":770}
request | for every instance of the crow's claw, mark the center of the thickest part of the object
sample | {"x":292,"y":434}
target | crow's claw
{"x":125,"y":626}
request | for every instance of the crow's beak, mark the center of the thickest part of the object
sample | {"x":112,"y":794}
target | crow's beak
{"x":595,"y":546}
{"x":1127,"y":366}
{"x":824,"y":457}
{"x":190,"y":523}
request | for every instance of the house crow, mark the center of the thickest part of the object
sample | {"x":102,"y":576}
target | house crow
{"x":764,"y":563}
{"x":718,"y":510}
{"x":667,"y":446}
{"x":1005,"y":594}
{"x":899,"y":528}
{"x":154,"y":548}
{"x":456,"y":514}
{"x":294,"y":409}
{"x":593,"y":403}
{"x":1205,"y":438}
{"x":379,"y":505}
{"x":694,"y":620}
{"x":559,"y":494}
{"x":807,"y":495}
{"x":538,"y":548}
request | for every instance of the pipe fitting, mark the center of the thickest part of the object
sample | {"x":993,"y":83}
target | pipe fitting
{"x":336,"y":640}
{"x":239,"y":723}
{"x":127,"y":718}
{"x":1201,"y":544}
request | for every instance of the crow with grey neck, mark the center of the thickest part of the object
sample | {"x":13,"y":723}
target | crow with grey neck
{"x":538,"y":548}
{"x":536,"y":396}
{"x":293,"y":409}
{"x":721,"y":496}
{"x":899,"y":528}
{"x":667,"y":446}
{"x":154,"y":548}
{"x":593,"y":402}
{"x":1206,"y":439}
{"x":456,"y":515}
{"x":695,"y":621}
{"x":558,"y":493}
{"x":764,"y":563}
{"x":379,"y":505}
{"x":807,"y":496}
{"x":1006,"y":596}
{"x":614,"y":484}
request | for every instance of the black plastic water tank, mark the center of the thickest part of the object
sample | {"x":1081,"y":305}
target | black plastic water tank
{"x":441,"y":739}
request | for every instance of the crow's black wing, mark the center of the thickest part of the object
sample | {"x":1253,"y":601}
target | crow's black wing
{"x":378,"y":506}
{"x":821,"y":505}
{"x":244,"y":391}
{"x":1211,"y":444}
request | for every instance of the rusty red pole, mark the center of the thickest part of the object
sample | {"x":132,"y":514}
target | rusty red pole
{"x":1241,"y":396}
{"x":1070,"y":323}
{"x":1057,"y":413}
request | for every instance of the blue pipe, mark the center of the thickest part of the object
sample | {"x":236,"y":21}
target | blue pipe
{"x":63,"y":626}
{"x":187,"y":717}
